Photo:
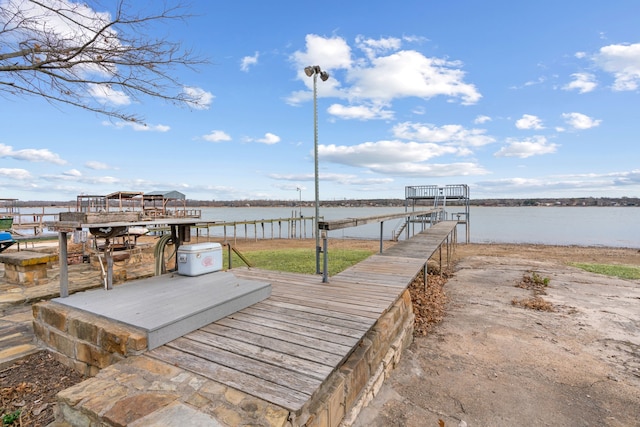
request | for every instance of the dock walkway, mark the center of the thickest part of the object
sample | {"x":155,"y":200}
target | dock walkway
{"x":307,"y":355}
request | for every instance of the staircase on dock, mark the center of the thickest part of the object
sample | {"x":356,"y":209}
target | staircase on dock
{"x":456,"y":195}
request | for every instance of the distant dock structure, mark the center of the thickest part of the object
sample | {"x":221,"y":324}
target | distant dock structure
{"x":151,"y":205}
{"x":438,"y":198}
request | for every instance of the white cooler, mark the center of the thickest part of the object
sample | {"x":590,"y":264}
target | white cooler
{"x":200,"y":258}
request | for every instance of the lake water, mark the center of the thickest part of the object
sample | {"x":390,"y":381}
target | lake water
{"x":585,"y":226}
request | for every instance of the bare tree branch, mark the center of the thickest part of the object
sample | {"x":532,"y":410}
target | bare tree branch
{"x":71,"y":53}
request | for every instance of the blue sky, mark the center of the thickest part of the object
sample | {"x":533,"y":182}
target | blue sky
{"x":515,"y":99}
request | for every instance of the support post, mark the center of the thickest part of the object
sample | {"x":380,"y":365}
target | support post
{"x":325,"y":267}
{"x":109,"y":257}
{"x":64,"y":268}
{"x":381,"y":234}
{"x":425,"y":275}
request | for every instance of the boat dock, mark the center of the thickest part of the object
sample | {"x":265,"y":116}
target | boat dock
{"x":310,"y":354}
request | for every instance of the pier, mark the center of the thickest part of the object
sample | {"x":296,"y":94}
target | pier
{"x":311,"y":351}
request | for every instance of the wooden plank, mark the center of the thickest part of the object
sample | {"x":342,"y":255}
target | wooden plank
{"x":355,"y":222}
{"x":284,"y":360}
{"x":328,"y":304}
{"x":315,"y":354}
{"x":326,"y":317}
{"x":305,"y":322}
{"x":299,"y":329}
{"x":319,"y":311}
{"x":340,"y":294}
{"x":279,"y":395}
{"x":283,"y":377}
{"x":285,"y":336}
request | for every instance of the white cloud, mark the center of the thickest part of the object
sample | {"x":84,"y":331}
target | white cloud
{"x":139,"y":127}
{"x":345,"y":179}
{"x":373,"y":47}
{"x":580,"y":121}
{"x":582,"y":82}
{"x":383,"y":74}
{"x":269,"y":139}
{"x":538,"y":81}
{"x":399,"y":158}
{"x":73,"y":173}
{"x":31,"y":155}
{"x":529,"y":121}
{"x":92,"y":180}
{"x":216,"y":136}
{"x":481,"y":120}
{"x":19,"y":174}
{"x":108,"y":95}
{"x":623,"y":61}
{"x":603,"y":182}
{"x":95,"y":165}
{"x":411,"y":74}
{"x":446,"y":134}
{"x":360,"y":112}
{"x":432,"y":170}
{"x":198,"y":98}
{"x":371,"y":154}
{"x":330,"y":53}
{"x":528,"y":147}
{"x":248,"y":61}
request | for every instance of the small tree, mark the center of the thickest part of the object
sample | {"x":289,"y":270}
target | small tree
{"x":70,"y":53}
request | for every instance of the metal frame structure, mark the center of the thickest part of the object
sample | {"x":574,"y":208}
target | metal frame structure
{"x":440,"y":196}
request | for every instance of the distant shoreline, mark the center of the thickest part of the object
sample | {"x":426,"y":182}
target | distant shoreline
{"x":525,"y":202}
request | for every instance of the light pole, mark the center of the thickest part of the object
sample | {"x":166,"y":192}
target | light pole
{"x":299,"y":202}
{"x":314,"y":71}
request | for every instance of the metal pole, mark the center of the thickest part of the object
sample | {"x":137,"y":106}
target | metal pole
{"x":325,"y":269}
{"x":64,"y":269}
{"x":315,"y":159}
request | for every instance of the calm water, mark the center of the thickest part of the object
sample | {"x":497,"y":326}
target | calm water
{"x":586,"y":226}
{"x":592,"y":226}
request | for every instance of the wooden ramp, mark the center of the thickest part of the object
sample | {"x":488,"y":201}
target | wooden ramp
{"x":282,"y":349}
{"x":424,"y":244}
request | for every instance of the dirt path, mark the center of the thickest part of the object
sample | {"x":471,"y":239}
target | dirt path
{"x":490,"y":363}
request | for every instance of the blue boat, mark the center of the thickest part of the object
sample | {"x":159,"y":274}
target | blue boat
{"x":6,"y":240}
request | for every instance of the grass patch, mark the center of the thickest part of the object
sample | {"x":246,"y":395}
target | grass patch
{"x":621,"y":271}
{"x":299,"y":260}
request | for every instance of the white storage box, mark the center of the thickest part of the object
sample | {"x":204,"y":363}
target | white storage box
{"x":200,"y":258}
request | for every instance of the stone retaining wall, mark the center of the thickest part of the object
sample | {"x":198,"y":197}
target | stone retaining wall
{"x":359,"y":379}
{"x":82,"y":341}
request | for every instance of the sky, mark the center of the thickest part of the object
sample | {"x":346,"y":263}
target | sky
{"x":514,"y":99}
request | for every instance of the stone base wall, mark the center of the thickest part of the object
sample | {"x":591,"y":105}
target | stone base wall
{"x":82,"y":341}
{"x":359,"y":379}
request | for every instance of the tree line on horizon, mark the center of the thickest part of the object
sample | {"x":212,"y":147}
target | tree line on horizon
{"x":569,"y":201}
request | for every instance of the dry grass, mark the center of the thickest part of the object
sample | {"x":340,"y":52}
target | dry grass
{"x":537,"y":285}
{"x":534,"y":303}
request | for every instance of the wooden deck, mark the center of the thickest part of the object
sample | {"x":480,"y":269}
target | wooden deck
{"x":282,"y":349}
